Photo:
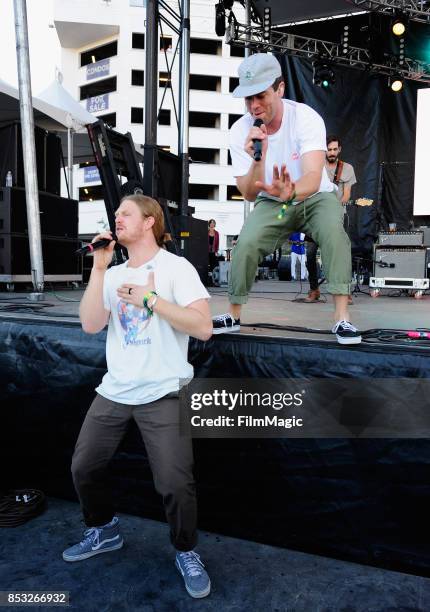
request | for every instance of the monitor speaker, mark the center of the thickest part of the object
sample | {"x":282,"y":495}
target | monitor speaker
{"x":192,"y":236}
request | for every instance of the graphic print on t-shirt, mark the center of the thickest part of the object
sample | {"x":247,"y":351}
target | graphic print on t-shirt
{"x":133,"y":321}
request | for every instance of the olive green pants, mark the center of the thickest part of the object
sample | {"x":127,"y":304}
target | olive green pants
{"x":319,"y":216}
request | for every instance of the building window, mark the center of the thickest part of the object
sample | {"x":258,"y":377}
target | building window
{"x":203,"y":156}
{"x":138,"y":40}
{"x":136,"y":114}
{"x":205,"y":120}
{"x":109,"y":119}
{"x":164,"y":80}
{"x":236,"y":51}
{"x":205,"y":83}
{"x":166,"y":43}
{"x":205,"y":46}
{"x":137,"y":77}
{"x":98,"y":88}
{"x":233,"y":193}
{"x":202,"y":192}
{"x":232,"y":119}
{"x":90,"y":194}
{"x":95,"y":55}
{"x":164,"y":117}
{"x":233,"y":83}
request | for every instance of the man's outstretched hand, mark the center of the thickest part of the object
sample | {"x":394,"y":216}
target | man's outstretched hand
{"x":281,"y":187}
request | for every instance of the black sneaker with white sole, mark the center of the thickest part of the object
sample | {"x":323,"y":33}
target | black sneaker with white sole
{"x":346,"y":333}
{"x":225,"y":324}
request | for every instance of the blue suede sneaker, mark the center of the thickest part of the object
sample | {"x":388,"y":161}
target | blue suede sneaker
{"x":196,"y":579}
{"x":96,"y":540}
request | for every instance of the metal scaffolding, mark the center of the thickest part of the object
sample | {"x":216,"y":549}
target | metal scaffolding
{"x":416,"y":11}
{"x":293,"y":44}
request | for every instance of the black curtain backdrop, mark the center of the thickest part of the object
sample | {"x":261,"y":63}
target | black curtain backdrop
{"x":376,"y":125}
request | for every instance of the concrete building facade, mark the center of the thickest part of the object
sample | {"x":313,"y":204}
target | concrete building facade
{"x":103,"y":65}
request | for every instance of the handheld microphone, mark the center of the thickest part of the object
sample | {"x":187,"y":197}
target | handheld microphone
{"x":94,"y":246}
{"x":258,"y":145}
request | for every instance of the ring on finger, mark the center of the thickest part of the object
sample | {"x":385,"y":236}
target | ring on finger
{"x":129,"y":291}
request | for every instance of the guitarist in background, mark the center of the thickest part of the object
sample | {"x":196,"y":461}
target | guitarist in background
{"x":343,"y":176}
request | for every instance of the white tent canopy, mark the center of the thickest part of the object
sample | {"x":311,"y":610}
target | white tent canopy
{"x":47,"y":115}
{"x":68,"y":110}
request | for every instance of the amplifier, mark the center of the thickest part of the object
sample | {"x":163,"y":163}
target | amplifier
{"x":426,"y":235}
{"x":399,"y":263}
{"x":402,"y":239}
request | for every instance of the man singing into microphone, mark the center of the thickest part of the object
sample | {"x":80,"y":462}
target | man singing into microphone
{"x":152,"y":303}
{"x":290,"y":187}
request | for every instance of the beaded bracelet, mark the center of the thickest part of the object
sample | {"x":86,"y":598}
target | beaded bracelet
{"x":283,"y":210}
{"x":147,"y":297}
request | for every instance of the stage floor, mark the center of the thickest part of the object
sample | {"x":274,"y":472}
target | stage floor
{"x":271,"y":302}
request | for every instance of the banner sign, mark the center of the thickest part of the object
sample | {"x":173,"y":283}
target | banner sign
{"x":98,"y":103}
{"x":91,"y":174}
{"x":98,"y":69}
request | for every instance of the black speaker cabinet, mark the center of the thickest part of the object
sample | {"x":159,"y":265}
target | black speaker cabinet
{"x":163,"y":171}
{"x":193,"y":235}
{"x":59,"y":257}
{"x":48,"y":158}
{"x":58,"y":216}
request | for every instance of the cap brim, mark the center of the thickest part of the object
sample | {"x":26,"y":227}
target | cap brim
{"x":243,"y":91}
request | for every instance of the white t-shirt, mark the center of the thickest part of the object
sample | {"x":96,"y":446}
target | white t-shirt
{"x":302,"y":130}
{"x":145,"y":355}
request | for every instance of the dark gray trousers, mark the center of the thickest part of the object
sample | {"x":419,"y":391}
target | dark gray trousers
{"x":170,"y":457}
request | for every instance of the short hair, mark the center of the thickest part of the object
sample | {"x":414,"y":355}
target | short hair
{"x":333,"y":138}
{"x":277,"y":82}
{"x":210,"y":221}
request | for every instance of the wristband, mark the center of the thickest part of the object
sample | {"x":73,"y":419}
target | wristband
{"x":146,"y":297}
{"x":286,"y":204}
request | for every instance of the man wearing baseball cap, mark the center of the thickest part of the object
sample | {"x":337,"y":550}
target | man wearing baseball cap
{"x":278,"y":153}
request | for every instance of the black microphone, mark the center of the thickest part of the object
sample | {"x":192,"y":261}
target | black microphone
{"x":94,"y":246}
{"x":258,"y":145}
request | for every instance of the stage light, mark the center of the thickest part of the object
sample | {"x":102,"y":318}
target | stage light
{"x":219,"y":19}
{"x":396,"y":83}
{"x":267,"y":23}
{"x":345,"y":40}
{"x":323,"y":73}
{"x":401,"y":51}
{"x":399,"y":26}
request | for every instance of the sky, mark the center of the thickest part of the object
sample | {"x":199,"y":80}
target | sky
{"x":45,"y":51}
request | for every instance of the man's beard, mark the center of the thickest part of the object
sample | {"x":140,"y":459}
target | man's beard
{"x":332,"y":158}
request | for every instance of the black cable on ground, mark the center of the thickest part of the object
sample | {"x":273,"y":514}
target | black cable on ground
{"x":21,"y":505}
{"x":385,"y":336}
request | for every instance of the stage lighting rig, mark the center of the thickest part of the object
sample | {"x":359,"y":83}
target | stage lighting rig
{"x":323,"y":73}
{"x":345,"y":40}
{"x":267,"y":23}
{"x":401,"y":51}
